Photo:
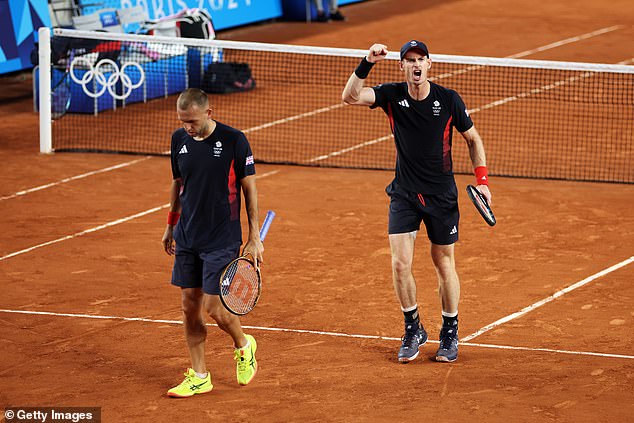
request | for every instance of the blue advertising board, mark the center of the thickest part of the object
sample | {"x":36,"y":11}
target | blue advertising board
{"x":20,"y":20}
{"x":295,"y":10}
{"x":224,"y":13}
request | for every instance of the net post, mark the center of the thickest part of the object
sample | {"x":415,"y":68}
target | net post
{"x":44,"y":52}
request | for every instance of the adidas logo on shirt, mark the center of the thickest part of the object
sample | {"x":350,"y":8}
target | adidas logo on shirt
{"x":183,"y":150}
{"x":404,"y":103}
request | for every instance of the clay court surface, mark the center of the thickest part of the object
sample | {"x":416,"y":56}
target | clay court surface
{"x":91,"y":319}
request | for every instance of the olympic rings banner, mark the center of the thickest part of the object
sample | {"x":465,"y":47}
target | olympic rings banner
{"x":94,"y":82}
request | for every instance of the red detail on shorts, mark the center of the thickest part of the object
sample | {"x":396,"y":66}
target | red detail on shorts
{"x":233,"y":193}
{"x":446,"y":147}
{"x":422,"y":200}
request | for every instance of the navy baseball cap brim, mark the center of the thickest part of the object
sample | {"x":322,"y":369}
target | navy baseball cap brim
{"x":414,"y":45}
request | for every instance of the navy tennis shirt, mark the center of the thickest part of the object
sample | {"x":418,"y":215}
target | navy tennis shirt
{"x":210,"y":170}
{"x":422,"y":134}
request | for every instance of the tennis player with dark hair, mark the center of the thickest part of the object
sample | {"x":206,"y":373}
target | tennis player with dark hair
{"x":211,"y":164}
{"x":422,"y":115}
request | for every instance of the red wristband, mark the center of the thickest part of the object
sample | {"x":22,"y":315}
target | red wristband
{"x":482,"y":175}
{"x":172,"y":218}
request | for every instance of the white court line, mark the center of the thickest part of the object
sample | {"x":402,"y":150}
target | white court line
{"x":499,"y":102}
{"x":292,"y":118}
{"x":566,"y":41}
{"x":329,"y":108}
{"x":310,"y":332}
{"x":547,"y":299}
{"x":534,"y":91}
{"x":87,"y":231}
{"x":105,"y":225}
{"x":541,"y":89}
{"x":354,"y":147}
{"x":491,"y":105}
{"x":73,"y":178}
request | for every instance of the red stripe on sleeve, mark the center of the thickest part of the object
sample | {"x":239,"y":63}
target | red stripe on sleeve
{"x":233,"y":193}
{"x":446,"y":147}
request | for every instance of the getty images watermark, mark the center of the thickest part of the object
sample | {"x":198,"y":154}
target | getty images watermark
{"x":52,"y":414}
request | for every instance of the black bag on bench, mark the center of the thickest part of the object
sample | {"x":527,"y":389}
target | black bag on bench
{"x":227,"y":77}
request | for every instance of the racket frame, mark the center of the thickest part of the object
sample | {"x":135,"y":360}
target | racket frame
{"x":263,"y":231}
{"x":223,"y":299}
{"x":481,"y":204}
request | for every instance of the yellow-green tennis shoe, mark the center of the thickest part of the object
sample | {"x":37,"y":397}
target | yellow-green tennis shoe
{"x":246,"y":364}
{"x":192,"y":385}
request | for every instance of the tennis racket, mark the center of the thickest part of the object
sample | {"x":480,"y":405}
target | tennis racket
{"x":240,"y":282}
{"x":60,"y":94}
{"x":481,"y":204}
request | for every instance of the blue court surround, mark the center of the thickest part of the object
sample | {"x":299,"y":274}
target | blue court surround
{"x":20,"y":20}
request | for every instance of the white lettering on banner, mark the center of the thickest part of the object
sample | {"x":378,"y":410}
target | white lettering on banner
{"x":157,"y":5}
{"x":181,"y":4}
{"x":157,"y":9}
{"x":227,"y":4}
{"x":126,"y":4}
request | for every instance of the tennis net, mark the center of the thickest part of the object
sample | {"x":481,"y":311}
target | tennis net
{"x":538,"y":119}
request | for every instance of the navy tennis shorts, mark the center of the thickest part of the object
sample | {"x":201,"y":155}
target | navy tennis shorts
{"x":196,"y":269}
{"x":439,"y":213}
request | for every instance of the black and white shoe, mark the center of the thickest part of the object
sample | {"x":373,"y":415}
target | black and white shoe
{"x":411,"y":341}
{"x":448,"y":349}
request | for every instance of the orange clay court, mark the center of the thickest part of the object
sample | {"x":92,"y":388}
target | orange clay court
{"x":88,"y":317}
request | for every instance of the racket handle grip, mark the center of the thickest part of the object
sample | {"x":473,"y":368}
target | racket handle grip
{"x":267,"y":223}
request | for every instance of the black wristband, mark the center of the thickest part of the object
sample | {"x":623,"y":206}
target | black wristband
{"x":363,"y":69}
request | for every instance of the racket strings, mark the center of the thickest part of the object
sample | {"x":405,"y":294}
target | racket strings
{"x":240,"y":286}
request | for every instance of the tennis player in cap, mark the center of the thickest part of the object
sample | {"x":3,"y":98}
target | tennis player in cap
{"x":422,"y":115}
{"x":211,"y":164}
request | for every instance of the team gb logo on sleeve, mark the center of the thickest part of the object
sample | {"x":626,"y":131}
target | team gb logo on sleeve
{"x":249,"y":160}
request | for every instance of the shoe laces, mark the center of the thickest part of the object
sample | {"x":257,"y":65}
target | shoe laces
{"x":410,"y":337}
{"x":239,"y":356}
{"x":189,"y":378}
{"x":448,"y":336}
